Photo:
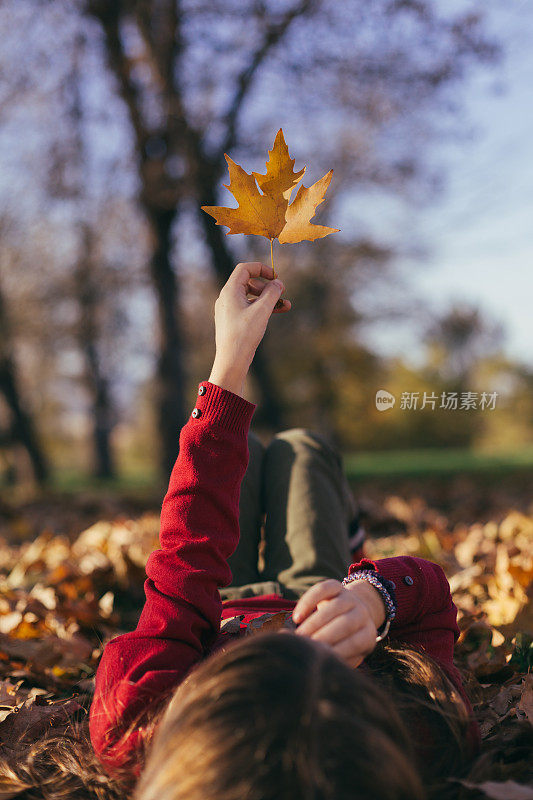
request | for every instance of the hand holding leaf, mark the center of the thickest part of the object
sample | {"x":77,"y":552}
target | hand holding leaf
{"x":263,"y":201}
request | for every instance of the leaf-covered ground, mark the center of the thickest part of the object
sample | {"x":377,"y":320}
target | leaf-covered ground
{"x":72,"y":570}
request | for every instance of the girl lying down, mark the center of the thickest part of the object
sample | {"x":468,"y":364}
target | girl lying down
{"x":356,"y":697}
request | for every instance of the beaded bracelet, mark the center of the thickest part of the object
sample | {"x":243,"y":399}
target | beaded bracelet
{"x":365,"y":565}
{"x":388,"y":585}
{"x":378,"y":582}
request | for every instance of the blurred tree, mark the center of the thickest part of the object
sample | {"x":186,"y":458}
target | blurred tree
{"x":201,"y":79}
{"x":74,"y":257}
{"x":458,"y":339}
{"x":427,"y":424}
{"x":461,"y":344}
{"x":329,"y":376}
{"x":510,"y":424}
{"x":21,"y":429}
{"x":77,"y":330}
{"x":88,"y":284}
{"x":351,"y":83}
{"x":89,"y":295}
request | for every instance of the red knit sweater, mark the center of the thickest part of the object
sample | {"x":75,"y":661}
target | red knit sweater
{"x":180,"y":622}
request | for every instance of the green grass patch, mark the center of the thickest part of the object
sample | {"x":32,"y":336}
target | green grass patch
{"x":434,"y":461}
{"x":142,"y":481}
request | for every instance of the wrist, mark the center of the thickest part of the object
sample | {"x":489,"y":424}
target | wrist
{"x":230,"y":378}
{"x":372,"y":598}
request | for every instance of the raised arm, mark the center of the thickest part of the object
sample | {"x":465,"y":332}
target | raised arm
{"x":199,"y":530}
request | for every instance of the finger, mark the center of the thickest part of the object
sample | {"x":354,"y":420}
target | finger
{"x":329,"y":610}
{"x":269,"y":296}
{"x":348,"y":652}
{"x":356,"y":646}
{"x":337,"y":629}
{"x":249,"y":269}
{"x":255,"y":286}
{"x":282,"y":305}
{"x":258,"y":287}
{"x":308,"y":601}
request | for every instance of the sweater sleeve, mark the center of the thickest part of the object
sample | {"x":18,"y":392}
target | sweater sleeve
{"x":182,"y":612}
{"x":426,"y":615}
{"x":425,"y":612}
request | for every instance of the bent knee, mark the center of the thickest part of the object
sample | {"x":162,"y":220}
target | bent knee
{"x":304,"y":439}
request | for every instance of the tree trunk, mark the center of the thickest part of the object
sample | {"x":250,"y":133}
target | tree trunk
{"x":22,"y":427}
{"x":170,"y":374}
{"x":103,"y":462}
{"x":97,"y":384}
{"x":105,"y":466}
{"x":23,"y":430}
{"x":270,"y":411}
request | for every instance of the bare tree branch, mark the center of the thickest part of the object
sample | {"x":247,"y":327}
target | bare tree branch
{"x":108,"y":14}
{"x":273,"y":34}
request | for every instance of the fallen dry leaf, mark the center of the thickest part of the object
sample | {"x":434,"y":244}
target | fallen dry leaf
{"x":525,"y":706}
{"x":231,"y":624}
{"x":29,"y":720}
{"x":272,"y":621}
{"x":62,"y":597}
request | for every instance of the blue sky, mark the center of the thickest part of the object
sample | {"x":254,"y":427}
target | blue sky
{"x":479,"y":233}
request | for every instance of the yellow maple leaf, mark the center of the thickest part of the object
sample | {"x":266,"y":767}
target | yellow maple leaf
{"x":257,"y":213}
{"x":263,"y":200}
{"x":280,"y":178}
{"x":297,"y":226}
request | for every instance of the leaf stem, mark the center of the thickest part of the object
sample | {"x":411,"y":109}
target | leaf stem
{"x":272,"y":256}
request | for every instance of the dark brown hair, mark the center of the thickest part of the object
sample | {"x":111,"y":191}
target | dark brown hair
{"x":430,"y":706}
{"x":278,"y":717}
{"x":271,"y":717}
{"x":58,"y":767}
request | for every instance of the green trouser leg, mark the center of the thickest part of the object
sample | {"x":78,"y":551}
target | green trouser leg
{"x":243,"y":562}
{"x":299,"y":483}
{"x":310,"y":507}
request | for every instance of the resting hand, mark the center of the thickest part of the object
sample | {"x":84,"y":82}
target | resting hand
{"x":240,"y":323}
{"x":345,"y":618}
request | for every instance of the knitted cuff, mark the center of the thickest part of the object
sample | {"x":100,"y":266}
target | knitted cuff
{"x":216,"y":405}
{"x":366,"y":565}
